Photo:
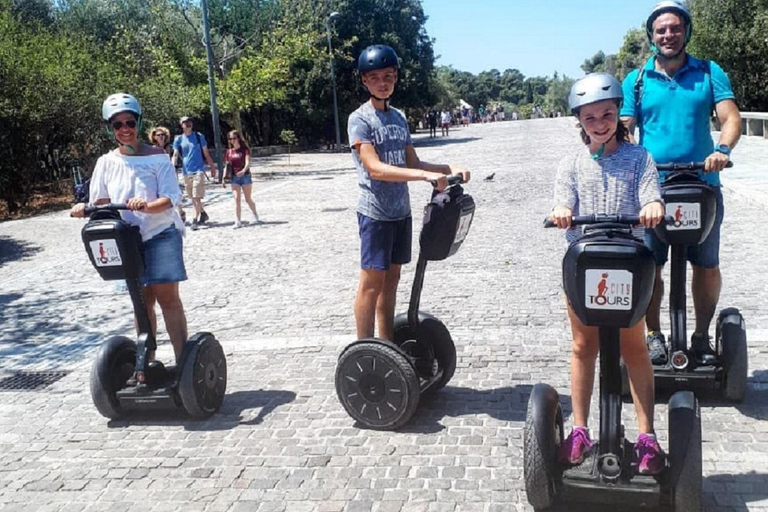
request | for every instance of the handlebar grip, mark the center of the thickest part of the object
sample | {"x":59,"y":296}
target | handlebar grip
{"x":585,"y":220}
{"x":111,"y":206}
{"x":453,"y":179}
{"x":690,"y":166}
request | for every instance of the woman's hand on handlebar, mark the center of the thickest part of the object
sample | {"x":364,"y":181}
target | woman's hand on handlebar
{"x":463,"y":173}
{"x":716,"y":162}
{"x":78,"y":210}
{"x":561,"y":217}
{"x":652,"y":214}
{"x":136,"y":203}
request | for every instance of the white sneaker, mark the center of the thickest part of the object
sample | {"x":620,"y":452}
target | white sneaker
{"x":256,"y":219}
{"x":238,"y":224}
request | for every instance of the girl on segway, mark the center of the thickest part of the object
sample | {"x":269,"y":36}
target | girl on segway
{"x":142,"y":177}
{"x":611,"y":177}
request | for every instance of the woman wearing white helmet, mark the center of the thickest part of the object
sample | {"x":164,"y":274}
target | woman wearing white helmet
{"x":142,"y":177}
{"x":609,"y":176}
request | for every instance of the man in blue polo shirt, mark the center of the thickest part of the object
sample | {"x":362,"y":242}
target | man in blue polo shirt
{"x":677,"y":92}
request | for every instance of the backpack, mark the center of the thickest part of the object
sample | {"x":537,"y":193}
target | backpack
{"x":639,"y":92}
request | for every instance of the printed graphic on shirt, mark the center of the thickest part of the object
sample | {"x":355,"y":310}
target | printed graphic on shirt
{"x":105,"y":253}
{"x":608,"y":289}
{"x":687,"y":216}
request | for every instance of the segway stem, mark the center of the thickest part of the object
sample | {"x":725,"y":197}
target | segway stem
{"x":677,"y":300}
{"x":146,"y":339}
{"x":610,"y":392}
{"x":418,"y":284}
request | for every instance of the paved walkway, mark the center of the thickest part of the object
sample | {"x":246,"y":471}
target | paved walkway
{"x":279,"y":297}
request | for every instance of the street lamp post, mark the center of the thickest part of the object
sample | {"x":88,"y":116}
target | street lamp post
{"x":212,"y":88}
{"x":333,"y":16}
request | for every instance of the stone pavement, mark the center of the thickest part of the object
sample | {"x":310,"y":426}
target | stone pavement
{"x":279,"y":298}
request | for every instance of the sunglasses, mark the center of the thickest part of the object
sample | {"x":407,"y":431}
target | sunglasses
{"x":119,"y":124}
{"x":233,"y":138}
{"x":159,"y":135}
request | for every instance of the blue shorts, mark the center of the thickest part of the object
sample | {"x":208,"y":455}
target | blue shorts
{"x":384,"y":243}
{"x":164,"y":258}
{"x":242,"y":180}
{"x":705,"y":255}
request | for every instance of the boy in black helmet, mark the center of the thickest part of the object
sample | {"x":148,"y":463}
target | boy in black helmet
{"x":385,"y":160}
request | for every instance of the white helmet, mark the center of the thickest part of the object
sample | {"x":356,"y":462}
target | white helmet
{"x":593,"y":88}
{"x":670,"y":6}
{"x":120,"y":102}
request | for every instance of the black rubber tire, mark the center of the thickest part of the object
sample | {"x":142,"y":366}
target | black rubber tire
{"x":543,"y":434}
{"x":732,"y":341}
{"x":685,"y":450}
{"x":431,"y":331}
{"x":114,"y":365}
{"x":371,"y":376}
{"x":203,"y":378}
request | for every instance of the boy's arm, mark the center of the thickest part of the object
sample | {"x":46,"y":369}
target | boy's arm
{"x":378,"y":170}
{"x":412,"y":160}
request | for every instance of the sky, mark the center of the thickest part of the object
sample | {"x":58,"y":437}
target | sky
{"x":536,"y":37}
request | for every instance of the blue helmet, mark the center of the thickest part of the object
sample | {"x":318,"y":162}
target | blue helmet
{"x":118,"y":103}
{"x":379,"y":56}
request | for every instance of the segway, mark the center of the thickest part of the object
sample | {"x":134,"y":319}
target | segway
{"x":608,"y":278}
{"x":379,"y":382}
{"x":123,"y":379}
{"x":693,"y":206}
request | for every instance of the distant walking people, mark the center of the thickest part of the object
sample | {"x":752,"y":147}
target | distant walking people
{"x":432,"y":119}
{"x":192,"y":148}
{"x":445,"y":122}
{"x":239,"y":157}
{"x":160,"y":137}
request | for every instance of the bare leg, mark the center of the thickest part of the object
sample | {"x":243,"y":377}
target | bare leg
{"x":198,"y":204}
{"x":236,"y":193}
{"x":705,"y":288}
{"x":653,"y":313}
{"x":583,"y":355}
{"x":385,"y":304}
{"x":635,"y":355}
{"x":371,"y":285}
{"x":173,"y":312}
{"x":248,"y":199}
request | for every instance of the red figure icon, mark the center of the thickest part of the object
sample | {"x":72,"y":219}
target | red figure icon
{"x":602,"y":286}
{"x":678,"y":213}
{"x":102,"y":253}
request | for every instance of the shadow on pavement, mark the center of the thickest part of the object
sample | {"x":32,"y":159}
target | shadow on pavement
{"x":442,"y":141}
{"x":229,"y":416}
{"x":504,"y":404}
{"x":12,"y":249}
{"x":229,"y":224}
{"x":755,"y":404}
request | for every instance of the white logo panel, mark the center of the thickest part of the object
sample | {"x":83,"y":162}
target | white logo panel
{"x":608,"y":289}
{"x":687,"y":216}
{"x":105,"y":253}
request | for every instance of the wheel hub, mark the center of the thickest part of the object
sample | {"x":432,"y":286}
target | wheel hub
{"x":373,"y":388}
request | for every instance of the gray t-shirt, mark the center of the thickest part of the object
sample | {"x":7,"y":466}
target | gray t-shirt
{"x":620,"y":183}
{"x":388,"y":132}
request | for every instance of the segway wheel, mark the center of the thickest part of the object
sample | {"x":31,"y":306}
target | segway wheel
{"x":685,"y":451}
{"x":377,"y":385}
{"x":731,"y":338}
{"x":113,"y":366}
{"x":543,"y":434}
{"x":431,"y":348}
{"x":203,"y":378}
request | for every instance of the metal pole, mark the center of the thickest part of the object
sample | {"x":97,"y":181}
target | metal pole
{"x":333,"y":16}
{"x":212,"y":87}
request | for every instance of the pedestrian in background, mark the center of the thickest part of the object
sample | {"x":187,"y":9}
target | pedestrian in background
{"x":238,"y":156}
{"x":192,"y":148}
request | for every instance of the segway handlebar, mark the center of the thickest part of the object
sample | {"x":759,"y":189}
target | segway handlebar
{"x":586,"y":220}
{"x":111,"y":207}
{"x":689,"y":166}
{"x":453,"y":179}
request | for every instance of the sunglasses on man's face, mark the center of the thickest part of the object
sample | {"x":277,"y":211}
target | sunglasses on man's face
{"x":119,"y":124}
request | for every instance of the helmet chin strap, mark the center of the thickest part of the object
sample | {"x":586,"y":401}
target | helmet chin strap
{"x":385,"y":100}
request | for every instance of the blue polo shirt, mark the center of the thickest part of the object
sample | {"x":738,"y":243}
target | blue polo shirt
{"x":675,"y":111}
{"x":191,"y":150}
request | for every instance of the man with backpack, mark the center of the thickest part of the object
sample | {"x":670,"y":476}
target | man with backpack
{"x":670,"y":99}
{"x":193,"y":149}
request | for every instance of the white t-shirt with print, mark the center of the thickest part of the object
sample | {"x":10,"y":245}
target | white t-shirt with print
{"x":118,"y":177}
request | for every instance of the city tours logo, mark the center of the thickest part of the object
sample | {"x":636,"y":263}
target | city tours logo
{"x":687,"y":216}
{"x":608,"y":289}
{"x":105,"y":253}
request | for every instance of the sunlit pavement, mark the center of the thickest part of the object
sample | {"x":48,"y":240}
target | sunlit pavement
{"x":279,"y":298}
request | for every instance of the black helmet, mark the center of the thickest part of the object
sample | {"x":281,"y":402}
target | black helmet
{"x":670,"y":6}
{"x":378,"y":56}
